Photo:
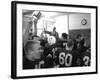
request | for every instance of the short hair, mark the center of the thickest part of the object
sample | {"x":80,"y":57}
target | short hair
{"x":78,"y":36}
{"x":64,"y":35}
{"x":82,"y":42}
{"x":54,"y":28}
{"x":29,"y":46}
{"x":43,"y":42}
{"x":70,"y":43}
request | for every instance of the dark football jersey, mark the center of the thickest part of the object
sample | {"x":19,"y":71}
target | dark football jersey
{"x":27,"y":64}
{"x":86,"y":58}
{"x":62,"y":43}
{"x":48,"y":62}
{"x":48,"y":50}
{"x":65,"y":58}
{"x":82,"y":49}
{"x":48,"y":54}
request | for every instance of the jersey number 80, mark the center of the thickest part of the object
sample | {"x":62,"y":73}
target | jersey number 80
{"x":65,"y":59}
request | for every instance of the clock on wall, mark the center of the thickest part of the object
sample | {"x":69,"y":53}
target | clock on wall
{"x":84,"y":22}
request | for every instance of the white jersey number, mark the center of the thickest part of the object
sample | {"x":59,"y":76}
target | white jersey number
{"x":86,"y":60}
{"x":65,"y":59}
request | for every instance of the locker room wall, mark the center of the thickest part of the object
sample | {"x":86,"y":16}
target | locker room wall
{"x":75,"y":21}
{"x":85,"y":32}
{"x":75,"y":26}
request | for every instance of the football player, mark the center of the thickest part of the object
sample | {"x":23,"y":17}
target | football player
{"x":63,"y":41}
{"x":86,"y":57}
{"x":49,"y":55}
{"x":80,"y":43}
{"x":67,"y":57}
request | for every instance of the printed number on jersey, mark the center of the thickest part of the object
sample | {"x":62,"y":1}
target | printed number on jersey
{"x":86,"y":60}
{"x":65,"y":59}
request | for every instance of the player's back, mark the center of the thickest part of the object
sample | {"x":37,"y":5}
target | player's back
{"x":66,"y":58}
{"x":62,"y":43}
{"x":86,"y":57}
{"x":76,"y":58}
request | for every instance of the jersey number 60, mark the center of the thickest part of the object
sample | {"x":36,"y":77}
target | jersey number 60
{"x":65,"y":59}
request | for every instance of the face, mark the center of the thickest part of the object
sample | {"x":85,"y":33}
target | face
{"x":36,"y":52}
{"x":69,"y":45}
{"x":54,"y":29}
{"x":79,"y":39}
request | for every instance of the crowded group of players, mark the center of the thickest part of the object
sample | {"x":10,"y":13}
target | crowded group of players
{"x":55,"y":52}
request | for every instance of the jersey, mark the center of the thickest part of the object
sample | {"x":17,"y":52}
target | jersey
{"x":65,"y":58}
{"x":86,"y":58}
{"x":62,"y":43}
{"x":50,"y":50}
{"x":48,"y":62}
{"x":49,"y":55}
